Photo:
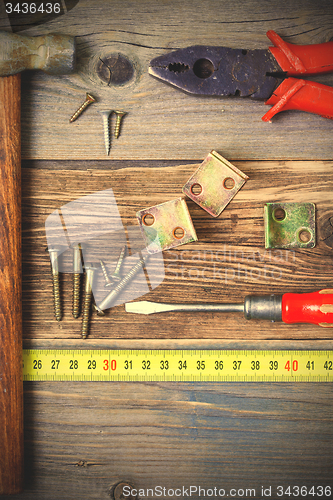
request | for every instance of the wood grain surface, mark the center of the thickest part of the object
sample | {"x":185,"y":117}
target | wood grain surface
{"x":11,"y":383}
{"x":227,"y":262}
{"x":158,"y":114}
{"x":83,"y":438}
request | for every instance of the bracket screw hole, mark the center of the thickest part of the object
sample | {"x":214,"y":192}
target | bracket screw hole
{"x":279,"y":214}
{"x":148,"y":219}
{"x":304,"y":236}
{"x":178,"y":233}
{"x":229,"y":183}
{"x":196,"y":189}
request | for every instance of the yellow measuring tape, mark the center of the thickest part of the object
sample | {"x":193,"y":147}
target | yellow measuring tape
{"x":178,"y":365}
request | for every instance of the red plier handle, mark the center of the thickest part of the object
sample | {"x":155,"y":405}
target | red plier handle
{"x":303,"y":95}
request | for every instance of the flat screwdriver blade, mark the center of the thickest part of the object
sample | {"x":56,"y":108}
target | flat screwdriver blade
{"x":146,"y":307}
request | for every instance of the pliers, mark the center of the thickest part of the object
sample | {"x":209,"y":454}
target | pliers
{"x":258,"y":73}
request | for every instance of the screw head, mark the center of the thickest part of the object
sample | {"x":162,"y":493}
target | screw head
{"x":99,"y":311}
{"x":55,"y":249}
{"x":90,"y":98}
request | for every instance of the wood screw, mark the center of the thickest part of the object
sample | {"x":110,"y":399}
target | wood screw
{"x":54,"y":252}
{"x":87,"y":298}
{"x":76,"y":279}
{"x":108,"y":282}
{"x":120,"y":115}
{"x":110,"y":298}
{"x":89,"y":99}
{"x":115,"y":276}
{"x":105,"y":118}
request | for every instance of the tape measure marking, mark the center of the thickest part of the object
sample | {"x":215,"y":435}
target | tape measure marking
{"x":177,"y":365}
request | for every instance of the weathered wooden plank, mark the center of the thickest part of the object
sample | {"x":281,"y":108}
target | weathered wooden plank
{"x":82,"y":438}
{"x":162,"y":122}
{"x":228,"y":261}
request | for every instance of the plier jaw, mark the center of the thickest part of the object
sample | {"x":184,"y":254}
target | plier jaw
{"x":258,"y":73}
{"x":219,"y":71}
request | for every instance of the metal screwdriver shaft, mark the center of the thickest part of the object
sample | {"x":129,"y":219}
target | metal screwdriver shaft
{"x":145,"y":307}
{"x":254,"y":307}
{"x":313,"y":307}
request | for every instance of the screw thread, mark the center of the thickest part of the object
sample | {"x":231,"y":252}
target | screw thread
{"x":86,"y":313}
{"x":76,"y":294}
{"x":120,"y":115}
{"x":120,"y":261}
{"x":117,"y":128}
{"x":56,"y":296}
{"x":109,"y":299}
{"x":89,"y":100}
{"x":106,"y":129}
{"x":106,"y":136}
{"x":87,"y":299}
{"x":135,"y":269}
{"x":105,"y":273}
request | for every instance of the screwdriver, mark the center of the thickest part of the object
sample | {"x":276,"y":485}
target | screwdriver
{"x":315,"y":307}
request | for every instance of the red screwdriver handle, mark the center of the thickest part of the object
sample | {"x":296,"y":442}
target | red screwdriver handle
{"x":315,"y":307}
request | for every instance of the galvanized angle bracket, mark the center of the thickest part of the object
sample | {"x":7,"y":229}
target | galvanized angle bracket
{"x":214,"y":184}
{"x":290,"y":225}
{"x":166,"y":225}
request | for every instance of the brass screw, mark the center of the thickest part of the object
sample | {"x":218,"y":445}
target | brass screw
{"x":54,"y":252}
{"x":76,"y":279}
{"x":87,"y":298}
{"x":106,"y":128}
{"x":120,"y":115}
{"x":89,"y":100}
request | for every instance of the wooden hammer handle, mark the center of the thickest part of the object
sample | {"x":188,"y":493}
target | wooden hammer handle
{"x":11,"y":383}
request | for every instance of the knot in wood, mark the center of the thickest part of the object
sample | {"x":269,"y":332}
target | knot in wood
{"x":326,"y":229}
{"x":117,"y":491}
{"x":115,"y":69}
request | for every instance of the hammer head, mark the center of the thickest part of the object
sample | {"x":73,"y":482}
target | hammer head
{"x":54,"y":54}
